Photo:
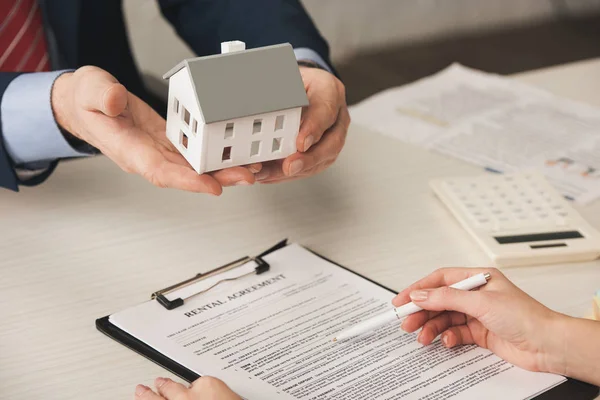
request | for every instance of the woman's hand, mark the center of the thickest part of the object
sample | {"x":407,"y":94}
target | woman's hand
{"x":205,"y":388}
{"x":499,"y":316}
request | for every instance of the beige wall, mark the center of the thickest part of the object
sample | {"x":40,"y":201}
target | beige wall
{"x":352,"y":25}
{"x":367,"y":23}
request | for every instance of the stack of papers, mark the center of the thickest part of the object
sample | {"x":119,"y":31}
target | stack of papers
{"x":494,"y":122}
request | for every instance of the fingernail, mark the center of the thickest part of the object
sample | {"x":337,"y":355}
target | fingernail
{"x":445,"y":339}
{"x":308,"y":142}
{"x":159,"y":382}
{"x":254,"y":169}
{"x":141,"y":389}
{"x":419,"y":337}
{"x":243,"y":183}
{"x":262,"y":175}
{"x":419,"y":295}
{"x":402,"y":326}
{"x":296,"y":167}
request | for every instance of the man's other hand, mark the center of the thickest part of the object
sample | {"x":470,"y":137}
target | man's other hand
{"x":323,"y":130}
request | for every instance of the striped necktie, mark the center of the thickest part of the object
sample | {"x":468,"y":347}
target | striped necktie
{"x":22,"y":40}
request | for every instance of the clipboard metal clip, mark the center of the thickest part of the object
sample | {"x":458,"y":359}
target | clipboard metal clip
{"x":261,"y":267}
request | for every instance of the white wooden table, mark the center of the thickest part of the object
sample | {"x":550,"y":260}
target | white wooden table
{"x":94,"y":240}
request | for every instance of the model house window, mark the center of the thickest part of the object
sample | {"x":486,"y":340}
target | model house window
{"x":229,"y":130}
{"x":186,"y":116}
{"x":255,"y":148}
{"x":183,"y":139}
{"x":276,"y":145}
{"x":175,"y":105}
{"x":257,"y":126}
{"x":226,"y":154}
{"x":194,"y":126}
{"x":279,"y":122}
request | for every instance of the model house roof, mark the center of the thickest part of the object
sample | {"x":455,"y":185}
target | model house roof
{"x":244,"y":83}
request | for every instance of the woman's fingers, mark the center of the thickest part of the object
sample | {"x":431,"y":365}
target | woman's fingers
{"x":473,"y":303}
{"x":171,"y":390}
{"x":210,"y":387}
{"x":435,"y":326}
{"x":441,"y":277}
{"x":457,"y":335}
{"x":145,"y":393}
{"x":417,"y":320}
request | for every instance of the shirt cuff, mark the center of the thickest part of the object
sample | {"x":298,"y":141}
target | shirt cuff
{"x":304,"y":53}
{"x":31,"y":135}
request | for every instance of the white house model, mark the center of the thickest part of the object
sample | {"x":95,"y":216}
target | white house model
{"x":235,"y":108}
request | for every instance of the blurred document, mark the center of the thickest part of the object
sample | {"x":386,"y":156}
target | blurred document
{"x":269,"y":336}
{"x":494,"y":122}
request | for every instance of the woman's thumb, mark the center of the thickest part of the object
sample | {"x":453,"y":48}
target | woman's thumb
{"x":450,"y":299}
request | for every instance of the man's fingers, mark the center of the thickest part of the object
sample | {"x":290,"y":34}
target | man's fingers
{"x":327,"y":150}
{"x":145,"y":393}
{"x":271,"y":171}
{"x":114,"y":100}
{"x":154,"y":167}
{"x":442,"y":277}
{"x":316,"y":120}
{"x":235,"y":176}
{"x":136,"y":153}
{"x":473,"y":303}
{"x":435,"y":326}
{"x":174,"y":176}
{"x":326,"y":96}
{"x":255,"y":168}
{"x":100,"y":91}
{"x":171,"y":390}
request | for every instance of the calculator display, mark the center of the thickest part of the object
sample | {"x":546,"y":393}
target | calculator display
{"x":538,"y":237}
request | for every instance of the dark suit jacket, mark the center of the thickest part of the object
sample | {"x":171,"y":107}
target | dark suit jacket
{"x":92,"y":32}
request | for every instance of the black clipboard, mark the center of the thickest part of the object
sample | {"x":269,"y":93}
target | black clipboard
{"x":571,"y":389}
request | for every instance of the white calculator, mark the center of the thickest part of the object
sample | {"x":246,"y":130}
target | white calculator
{"x":519,"y":219}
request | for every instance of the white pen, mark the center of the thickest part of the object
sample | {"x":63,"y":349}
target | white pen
{"x":405,"y":310}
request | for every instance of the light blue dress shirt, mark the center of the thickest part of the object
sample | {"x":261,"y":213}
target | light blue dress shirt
{"x":32,"y":137}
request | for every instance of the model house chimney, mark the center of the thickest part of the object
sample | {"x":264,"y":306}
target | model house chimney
{"x":231,"y":47}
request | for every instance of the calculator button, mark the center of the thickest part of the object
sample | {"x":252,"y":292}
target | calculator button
{"x":561,"y":221}
{"x":509,"y":225}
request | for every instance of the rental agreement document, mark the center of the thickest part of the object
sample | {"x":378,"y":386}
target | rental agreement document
{"x":269,"y":336}
{"x":494,"y":122}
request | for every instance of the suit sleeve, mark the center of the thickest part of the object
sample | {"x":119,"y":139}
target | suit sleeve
{"x":204,"y":24}
{"x":31,"y":140}
{"x":8,"y":177}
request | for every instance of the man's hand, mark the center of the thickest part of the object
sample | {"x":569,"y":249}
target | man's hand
{"x":323,"y":130}
{"x":205,"y":388}
{"x":94,"y":107}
